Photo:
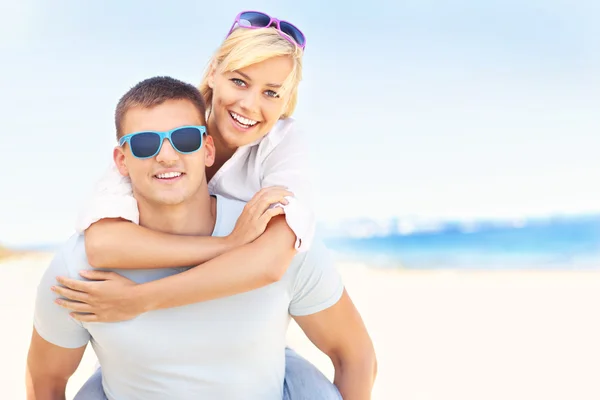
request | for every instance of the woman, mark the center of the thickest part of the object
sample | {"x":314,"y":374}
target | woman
{"x":251,"y":88}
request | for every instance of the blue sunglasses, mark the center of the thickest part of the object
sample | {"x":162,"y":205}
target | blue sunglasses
{"x":185,"y":139}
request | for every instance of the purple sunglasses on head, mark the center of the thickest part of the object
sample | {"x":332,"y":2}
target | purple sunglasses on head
{"x":257,"y":19}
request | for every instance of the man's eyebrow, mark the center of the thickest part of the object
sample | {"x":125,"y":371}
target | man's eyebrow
{"x":273,"y":85}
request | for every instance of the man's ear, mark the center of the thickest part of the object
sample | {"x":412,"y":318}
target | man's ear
{"x":209,"y":151}
{"x":120,"y":162}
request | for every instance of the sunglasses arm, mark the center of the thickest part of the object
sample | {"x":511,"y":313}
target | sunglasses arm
{"x":232,"y":26}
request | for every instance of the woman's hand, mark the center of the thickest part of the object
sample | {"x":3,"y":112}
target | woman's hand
{"x":107,"y":297}
{"x":257,"y":214}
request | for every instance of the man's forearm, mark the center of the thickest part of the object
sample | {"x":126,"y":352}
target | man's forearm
{"x":355,"y":378}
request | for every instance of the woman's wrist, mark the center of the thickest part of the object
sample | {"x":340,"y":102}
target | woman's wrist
{"x":232,"y":241}
{"x":143,"y":298}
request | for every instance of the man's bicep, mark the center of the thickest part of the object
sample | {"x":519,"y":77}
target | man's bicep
{"x":317,"y":283}
{"x":49,"y":365}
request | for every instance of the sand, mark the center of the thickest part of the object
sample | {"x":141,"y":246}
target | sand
{"x":5,"y":254}
{"x":438,"y":334}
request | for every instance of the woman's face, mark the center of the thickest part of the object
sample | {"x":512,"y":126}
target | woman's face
{"x":248,"y":102}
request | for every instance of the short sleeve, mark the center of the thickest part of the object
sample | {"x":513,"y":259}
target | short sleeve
{"x":286,"y":165}
{"x":111,"y":197}
{"x":52,"y":322}
{"x":317,"y":284}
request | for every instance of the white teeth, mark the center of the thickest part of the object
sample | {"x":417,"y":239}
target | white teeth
{"x":168,"y":175}
{"x":242,"y":120}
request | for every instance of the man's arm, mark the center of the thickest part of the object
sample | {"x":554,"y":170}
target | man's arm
{"x":49,"y":368}
{"x":58,"y":341}
{"x":339,"y":332}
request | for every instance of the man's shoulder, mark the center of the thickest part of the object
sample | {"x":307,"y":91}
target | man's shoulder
{"x":315,"y":259}
{"x":72,"y":254}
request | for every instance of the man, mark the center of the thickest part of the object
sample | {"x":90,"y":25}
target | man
{"x":229,"y":348}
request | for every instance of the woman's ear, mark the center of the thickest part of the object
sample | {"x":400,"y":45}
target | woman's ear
{"x":211,"y":74}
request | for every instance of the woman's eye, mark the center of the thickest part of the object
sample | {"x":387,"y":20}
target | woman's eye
{"x":238,"y":82}
{"x":271,"y":93}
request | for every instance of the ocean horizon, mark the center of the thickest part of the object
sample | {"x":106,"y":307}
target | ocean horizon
{"x":557,"y":242}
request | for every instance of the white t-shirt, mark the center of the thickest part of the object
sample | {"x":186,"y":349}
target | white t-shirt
{"x":228,"y":348}
{"x":279,"y":158}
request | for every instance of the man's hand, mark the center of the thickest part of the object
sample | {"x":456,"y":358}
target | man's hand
{"x":110,"y":297}
{"x":257,"y":214}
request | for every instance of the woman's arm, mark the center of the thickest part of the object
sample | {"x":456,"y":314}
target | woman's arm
{"x":120,"y":244}
{"x":110,"y":297}
{"x":288,"y":164}
{"x":246,"y":268}
{"x":114,"y":243}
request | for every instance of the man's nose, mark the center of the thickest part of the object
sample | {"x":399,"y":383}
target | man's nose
{"x":167,"y":154}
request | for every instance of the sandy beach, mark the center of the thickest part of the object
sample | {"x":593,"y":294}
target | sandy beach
{"x":438,"y":334}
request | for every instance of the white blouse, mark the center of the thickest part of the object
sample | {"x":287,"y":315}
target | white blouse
{"x":279,"y":158}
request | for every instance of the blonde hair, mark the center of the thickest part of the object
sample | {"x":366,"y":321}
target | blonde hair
{"x":246,"y":47}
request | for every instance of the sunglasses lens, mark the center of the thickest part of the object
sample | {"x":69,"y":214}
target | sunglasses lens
{"x":144,"y":145}
{"x":187,"y":140}
{"x":254,"y":19}
{"x":293,"y":32}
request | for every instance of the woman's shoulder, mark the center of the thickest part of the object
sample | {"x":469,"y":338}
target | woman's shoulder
{"x":286,"y":130}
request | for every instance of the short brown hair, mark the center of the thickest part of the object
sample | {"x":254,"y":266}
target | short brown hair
{"x":155,"y":91}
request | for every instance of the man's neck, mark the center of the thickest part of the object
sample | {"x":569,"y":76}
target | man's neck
{"x":195,"y":217}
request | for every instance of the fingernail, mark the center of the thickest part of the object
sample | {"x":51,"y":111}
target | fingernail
{"x":58,"y":301}
{"x":53,"y":288}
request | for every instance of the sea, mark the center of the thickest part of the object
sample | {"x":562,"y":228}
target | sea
{"x":561,"y":242}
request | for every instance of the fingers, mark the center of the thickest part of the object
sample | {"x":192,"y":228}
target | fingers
{"x":269,"y":196}
{"x":270,"y":192}
{"x":94,"y":275}
{"x":269,"y":214}
{"x":70,"y":294}
{"x":75,"y":284}
{"x":74,"y":305}
{"x":267,"y":190}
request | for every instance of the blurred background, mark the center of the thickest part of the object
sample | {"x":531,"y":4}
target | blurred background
{"x":438,"y":125}
{"x":447,"y":137}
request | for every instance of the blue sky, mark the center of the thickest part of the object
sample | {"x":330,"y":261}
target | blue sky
{"x":418,"y":108}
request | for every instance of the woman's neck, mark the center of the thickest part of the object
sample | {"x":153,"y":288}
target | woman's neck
{"x":222,"y":151}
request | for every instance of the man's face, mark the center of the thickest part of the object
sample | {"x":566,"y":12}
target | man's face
{"x":169,"y":178}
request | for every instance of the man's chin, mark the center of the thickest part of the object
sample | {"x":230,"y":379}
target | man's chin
{"x":164,"y":199}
